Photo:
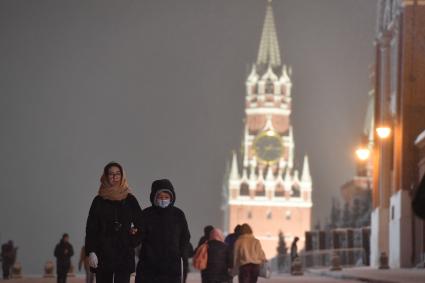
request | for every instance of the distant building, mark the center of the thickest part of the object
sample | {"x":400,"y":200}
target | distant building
{"x":265,"y":189}
{"x":399,"y":105}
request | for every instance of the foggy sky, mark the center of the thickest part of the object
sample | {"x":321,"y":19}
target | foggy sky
{"x":159,"y":87}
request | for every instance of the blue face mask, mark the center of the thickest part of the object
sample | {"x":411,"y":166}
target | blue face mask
{"x":164,"y":203}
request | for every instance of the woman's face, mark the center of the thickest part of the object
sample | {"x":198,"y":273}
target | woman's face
{"x":114,"y":176}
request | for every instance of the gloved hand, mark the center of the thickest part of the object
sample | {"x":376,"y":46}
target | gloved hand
{"x":93,"y":260}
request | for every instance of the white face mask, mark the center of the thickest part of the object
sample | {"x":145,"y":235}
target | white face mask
{"x":164,"y":203}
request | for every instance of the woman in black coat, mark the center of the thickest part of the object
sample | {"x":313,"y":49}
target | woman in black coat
{"x":164,"y":237}
{"x":112,"y":228}
{"x":63,"y":254}
{"x":220,"y":260}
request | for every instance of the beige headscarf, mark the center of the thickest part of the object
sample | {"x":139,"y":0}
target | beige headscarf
{"x":217,"y":235}
{"x":118,"y":192}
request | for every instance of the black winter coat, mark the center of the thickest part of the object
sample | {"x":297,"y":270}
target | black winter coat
{"x":220,"y":260}
{"x":108,"y":233}
{"x":63,"y":254}
{"x":165,"y":237}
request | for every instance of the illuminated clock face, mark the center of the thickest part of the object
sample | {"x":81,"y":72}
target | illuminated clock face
{"x":268,"y":147}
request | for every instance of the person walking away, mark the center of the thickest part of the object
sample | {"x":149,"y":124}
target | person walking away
{"x":165,"y":236}
{"x":220,"y":260}
{"x":232,"y":237}
{"x":8,"y":255}
{"x":112,"y":228}
{"x":248,"y":255}
{"x":84,"y":262}
{"x":205,"y":236}
{"x":63,"y":254}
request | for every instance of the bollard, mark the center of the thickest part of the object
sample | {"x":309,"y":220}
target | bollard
{"x":335,"y":262}
{"x":17,"y":270}
{"x":49,"y":268}
{"x":383,"y":261}
{"x":71,"y":272}
{"x":296,"y":267}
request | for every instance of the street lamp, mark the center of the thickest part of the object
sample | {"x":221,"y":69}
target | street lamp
{"x":383,"y":132}
{"x":363,"y":149}
{"x":363,"y":153}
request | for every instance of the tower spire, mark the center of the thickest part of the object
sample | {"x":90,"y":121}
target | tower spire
{"x":306,"y":170}
{"x":234,"y":174}
{"x":269,"y":53}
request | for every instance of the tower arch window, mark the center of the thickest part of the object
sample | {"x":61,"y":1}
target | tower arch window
{"x":269,"y":87}
{"x":260,"y":191}
{"x":279,"y":192}
{"x":244,"y":189}
{"x":296,"y":191}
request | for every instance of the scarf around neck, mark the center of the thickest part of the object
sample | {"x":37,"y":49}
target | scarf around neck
{"x":114,"y":193}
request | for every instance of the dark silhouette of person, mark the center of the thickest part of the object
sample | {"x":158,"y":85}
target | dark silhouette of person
{"x":220,"y":260}
{"x":8,"y":255}
{"x":63,"y":254}
{"x":232,"y":237}
{"x":205,"y":237}
{"x":164,"y":237}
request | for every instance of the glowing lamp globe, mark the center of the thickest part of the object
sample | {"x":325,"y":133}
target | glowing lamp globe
{"x":363,"y":153}
{"x":383,"y":132}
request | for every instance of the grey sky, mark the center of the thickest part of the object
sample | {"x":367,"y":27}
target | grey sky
{"x":159,"y":87}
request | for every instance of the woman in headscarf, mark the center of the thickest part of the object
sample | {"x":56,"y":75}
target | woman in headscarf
{"x":248,"y":255}
{"x":219,"y":262}
{"x":112,"y":228}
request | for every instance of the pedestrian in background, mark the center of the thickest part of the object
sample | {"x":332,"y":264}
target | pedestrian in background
{"x":205,"y":236}
{"x":8,"y":257}
{"x":165,"y":237}
{"x":231,"y":238}
{"x":63,"y":254}
{"x":248,"y":255}
{"x":220,"y":260}
{"x":112,"y":228}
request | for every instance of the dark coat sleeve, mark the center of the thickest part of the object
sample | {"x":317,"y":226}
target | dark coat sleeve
{"x":229,"y":257}
{"x":92,"y":228}
{"x":185,"y":235}
{"x":57,"y":252}
{"x":71,"y":251}
{"x":136,"y":213}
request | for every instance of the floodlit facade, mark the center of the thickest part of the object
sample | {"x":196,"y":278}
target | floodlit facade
{"x":400,"y":106}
